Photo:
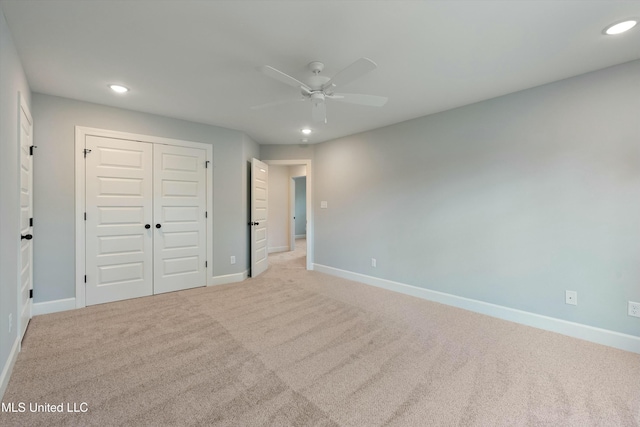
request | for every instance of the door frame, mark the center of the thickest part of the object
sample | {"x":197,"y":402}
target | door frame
{"x":310,"y":216}
{"x":81,"y":132}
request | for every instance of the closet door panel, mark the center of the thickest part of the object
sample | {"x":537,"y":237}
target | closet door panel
{"x":179,"y":216}
{"x":119,"y":195}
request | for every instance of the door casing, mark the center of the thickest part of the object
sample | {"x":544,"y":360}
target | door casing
{"x":81,"y":133}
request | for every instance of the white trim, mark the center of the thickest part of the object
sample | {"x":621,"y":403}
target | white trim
{"x":310,"y":216}
{"x":8,"y":367}
{"x":229,"y":278}
{"x":80,"y":135}
{"x":577,"y":330}
{"x":55,"y":306}
{"x":300,"y":236}
{"x":278,"y":249}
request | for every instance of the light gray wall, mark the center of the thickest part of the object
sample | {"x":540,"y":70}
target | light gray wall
{"x":12,"y":82}
{"x":297,"y":170}
{"x":301,"y":205}
{"x":511,"y":201}
{"x":54,"y":184}
{"x":287,"y":152}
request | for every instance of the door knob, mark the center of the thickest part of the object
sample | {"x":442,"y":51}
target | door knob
{"x":26,"y":236}
{"x":158,"y":226}
{"x":256,"y":223}
{"x":147,"y":226}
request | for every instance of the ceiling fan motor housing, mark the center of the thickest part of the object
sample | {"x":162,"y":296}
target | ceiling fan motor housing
{"x":317,"y":81}
{"x":317,"y":97}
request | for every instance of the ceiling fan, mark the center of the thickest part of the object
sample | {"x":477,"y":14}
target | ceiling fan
{"x":320,"y":88}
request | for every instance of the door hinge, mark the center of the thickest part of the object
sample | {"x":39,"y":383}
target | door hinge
{"x":86,"y":151}
{"x":85,"y":278}
{"x":30,"y":222}
{"x":30,"y":293}
{"x":31,"y":149}
{"x":205,"y":264}
{"x":206,"y":214}
{"x":206,"y":164}
{"x":85,"y":216}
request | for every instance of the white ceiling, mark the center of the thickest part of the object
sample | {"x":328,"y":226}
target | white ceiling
{"x":198,"y":60}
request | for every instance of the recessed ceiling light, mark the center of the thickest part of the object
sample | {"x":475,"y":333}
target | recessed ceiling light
{"x":119,"y":88}
{"x":306,"y":131}
{"x":620,"y":27}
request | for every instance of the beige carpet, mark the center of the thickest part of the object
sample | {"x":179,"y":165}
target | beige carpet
{"x":298,"y":348}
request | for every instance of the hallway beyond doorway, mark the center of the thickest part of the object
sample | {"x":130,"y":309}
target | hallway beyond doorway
{"x":296,"y":258}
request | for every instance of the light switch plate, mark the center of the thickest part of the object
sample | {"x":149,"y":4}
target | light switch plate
{"x":323,"y":204}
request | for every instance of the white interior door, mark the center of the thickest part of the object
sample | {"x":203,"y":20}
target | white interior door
{"x":26,"y":219}
{"x":259,"y":193}
{"x":179,"y":214}
{"x":119,"y":237}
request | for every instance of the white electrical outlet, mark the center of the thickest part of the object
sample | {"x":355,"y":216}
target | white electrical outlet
{"x":634,"y":309}
{"x":233,"y":259}
{"x":571,"y":297}
{"x":374,"y":263}
{"x":11,"y":321}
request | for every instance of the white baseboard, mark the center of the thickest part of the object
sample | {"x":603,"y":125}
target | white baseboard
{"x":8,"y":367}
{"x":577,"y":330}
{"x":301,"y":236}
{"x":278,"y":249}
{"x":229,"y":278}
{"x":55,"y":306}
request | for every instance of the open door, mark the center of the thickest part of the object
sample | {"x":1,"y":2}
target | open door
{"x":25,"y":261}
{"x":258,"y":224}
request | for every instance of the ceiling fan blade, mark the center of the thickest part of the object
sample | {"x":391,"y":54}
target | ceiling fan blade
{"x":319,"y":112}
{"x":276,"y":103}
{"x":282,"y":77}
{"x":359,"y":98}
{"x":358,"y":69}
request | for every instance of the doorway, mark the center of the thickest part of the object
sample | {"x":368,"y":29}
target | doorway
{"x":284,"y":177}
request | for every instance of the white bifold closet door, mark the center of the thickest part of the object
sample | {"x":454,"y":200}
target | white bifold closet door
{"x":145,"y":219}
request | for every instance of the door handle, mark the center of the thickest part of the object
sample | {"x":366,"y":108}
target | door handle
{"x":26,"y":236}
{"x":147,"y":226}
{"x":158,"y":226}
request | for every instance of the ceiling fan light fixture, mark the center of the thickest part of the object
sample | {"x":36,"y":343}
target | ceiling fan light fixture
{"x":119,"y":88}
{"x":620,"y":27}
{"x":306,"y":131}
